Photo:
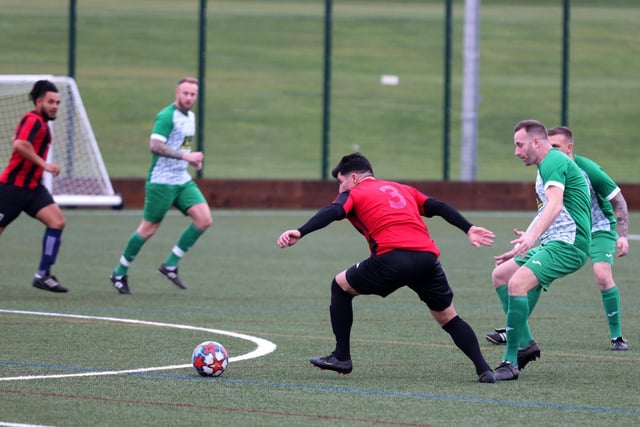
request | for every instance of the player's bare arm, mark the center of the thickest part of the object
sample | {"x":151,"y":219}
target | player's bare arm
{"x":25,"y":149}
{"x":549,"y":214}
{"x":509,"y":254}
{"x":621,"y":213}
{"x":160,"y":148}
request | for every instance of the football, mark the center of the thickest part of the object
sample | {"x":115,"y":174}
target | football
{"x":210,"y":359}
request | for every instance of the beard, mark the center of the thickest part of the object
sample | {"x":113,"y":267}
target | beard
{"x":47,"y":117}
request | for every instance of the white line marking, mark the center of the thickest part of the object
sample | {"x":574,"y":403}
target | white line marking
{"x":264,"y":346}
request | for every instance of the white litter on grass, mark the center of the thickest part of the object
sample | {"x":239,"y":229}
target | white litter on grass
{"x":389,"y":80}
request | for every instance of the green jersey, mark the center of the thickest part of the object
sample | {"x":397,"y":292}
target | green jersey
{"x":573,"y":224}
{"x":602,"y":189}
{"x":177,"y":130}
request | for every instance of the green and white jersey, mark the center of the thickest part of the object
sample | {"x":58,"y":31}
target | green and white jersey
{"x":177,"y":130}
{"x":573,"y":224}
{"x":602,"y":189}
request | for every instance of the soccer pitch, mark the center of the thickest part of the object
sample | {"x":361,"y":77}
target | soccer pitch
{"x":94,"y":357}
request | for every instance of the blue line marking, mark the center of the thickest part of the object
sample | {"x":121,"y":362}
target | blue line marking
{"x":386,"y":393}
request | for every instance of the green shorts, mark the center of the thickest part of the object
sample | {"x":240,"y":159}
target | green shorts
{"x":603,"y":246}
{"x":159,"y":198}
{"x":552,"y":261}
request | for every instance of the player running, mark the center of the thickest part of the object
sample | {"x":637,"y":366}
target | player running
{"x":169,"y":184}
{"x":21,"y":189}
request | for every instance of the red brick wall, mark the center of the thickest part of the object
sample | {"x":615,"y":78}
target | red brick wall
{"x":313,"y":194}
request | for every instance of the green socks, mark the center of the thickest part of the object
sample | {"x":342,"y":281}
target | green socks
{"x":503,"y":294}
{"x":130,"y":251}
{"x":516,"y":324}
{"x":532,"y":296}
{"x":188,"y":238}
{"x":611,"y":304}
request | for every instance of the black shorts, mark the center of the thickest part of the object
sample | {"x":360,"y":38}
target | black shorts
{"x":14,"y":200}
{"x":420,"y":271}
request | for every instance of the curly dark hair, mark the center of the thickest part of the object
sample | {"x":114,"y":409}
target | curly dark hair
{"x":40,"y":88}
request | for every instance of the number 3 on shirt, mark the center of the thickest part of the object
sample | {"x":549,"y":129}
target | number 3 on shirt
{"x":396,"y":200}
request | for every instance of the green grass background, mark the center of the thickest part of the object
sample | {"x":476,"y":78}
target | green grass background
{"x":406,"y":372}
{"x":264,"y":79}
{"x":263,"y":119}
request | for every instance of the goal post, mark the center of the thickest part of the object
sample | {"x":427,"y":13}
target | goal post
{"x":83,"y":178}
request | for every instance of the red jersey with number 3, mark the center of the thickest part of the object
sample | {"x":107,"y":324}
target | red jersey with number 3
{"x":20,"y":171}
{"x":389,"y":215}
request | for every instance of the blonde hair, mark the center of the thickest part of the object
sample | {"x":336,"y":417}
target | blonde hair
{"x":192,"y":80}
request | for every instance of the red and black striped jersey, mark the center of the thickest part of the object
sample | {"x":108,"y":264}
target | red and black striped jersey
{"x":20,"y":171}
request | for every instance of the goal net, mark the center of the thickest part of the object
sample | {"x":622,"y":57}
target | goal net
{"x":83,"y":178}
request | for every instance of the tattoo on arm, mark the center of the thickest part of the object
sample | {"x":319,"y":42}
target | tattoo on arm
{"x":621,"y":214}
{"x":164,"y":150}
